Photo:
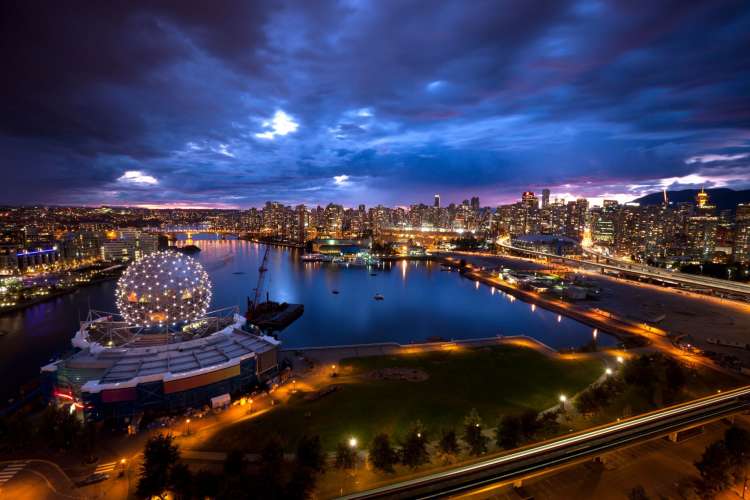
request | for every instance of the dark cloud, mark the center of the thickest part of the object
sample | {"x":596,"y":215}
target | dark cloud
{"x":239,"y":102}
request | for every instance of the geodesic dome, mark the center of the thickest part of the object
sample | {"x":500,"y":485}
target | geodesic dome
{"x":163,"y":288}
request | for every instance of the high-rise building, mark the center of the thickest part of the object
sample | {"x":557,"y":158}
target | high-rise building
{"x":741,"y":248}
{"x":475,"y":202}
{"x":528,"y":199}
{"x":545,"y":198}
{"x":437,"y":201}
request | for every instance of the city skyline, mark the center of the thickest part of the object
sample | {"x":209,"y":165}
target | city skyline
{"x":367,"y":103}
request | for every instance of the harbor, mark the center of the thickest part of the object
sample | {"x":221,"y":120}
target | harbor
{"x":339,"y":306}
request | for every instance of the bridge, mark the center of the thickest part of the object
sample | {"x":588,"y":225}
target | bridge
{"x":724,"y":288}
{"x":190,"y":230}
{"x":550,"y":455}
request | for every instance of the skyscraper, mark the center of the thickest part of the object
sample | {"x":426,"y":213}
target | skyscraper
{"x":528,"y":198}
{"x":475,"y":202}
{"x":437,"y":201}
{"x":545,"y":198}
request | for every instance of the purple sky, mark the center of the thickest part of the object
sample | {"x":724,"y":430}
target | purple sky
{"x":234,"y":103}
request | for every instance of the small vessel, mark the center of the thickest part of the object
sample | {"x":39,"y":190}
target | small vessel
{"x":335,"y":292}
{"x":373,"y":274}
{"x":378,"y":297}
{"x":316,"y":257}
{"x":239,"y":272}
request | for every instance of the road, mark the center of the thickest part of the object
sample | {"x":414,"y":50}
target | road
{"x":555,"y":453}
{"x":614,"y":264}
{"x":34,"y":479}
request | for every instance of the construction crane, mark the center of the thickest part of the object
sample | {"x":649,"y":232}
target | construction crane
{"x":252,"y":306}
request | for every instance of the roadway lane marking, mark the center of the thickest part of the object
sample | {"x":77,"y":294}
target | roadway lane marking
{"x":10,"y":471}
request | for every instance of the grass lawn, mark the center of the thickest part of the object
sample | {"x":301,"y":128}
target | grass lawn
{"x":494,"y":380}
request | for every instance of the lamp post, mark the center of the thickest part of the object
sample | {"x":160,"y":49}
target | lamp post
{"x":187,"y":427}
{"x":563,"y":399}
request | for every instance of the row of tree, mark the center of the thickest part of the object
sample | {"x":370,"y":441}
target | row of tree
{"x":273,"y":478}
{"x":724,"y":463}
{"x":646,"y":382}
{"x":510,"y":432}
{"x":54,"y":428}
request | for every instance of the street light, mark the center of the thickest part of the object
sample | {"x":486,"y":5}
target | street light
{"x":563,"y":399}
{"x":187,"y":426}
{"x":608,"y":371}
{"x":620,"y":359}
{"x":352,"y":442}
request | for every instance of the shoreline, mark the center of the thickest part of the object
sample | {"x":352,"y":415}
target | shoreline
{"x":54,"y":295}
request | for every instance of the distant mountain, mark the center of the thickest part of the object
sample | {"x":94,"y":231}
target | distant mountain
{"x":723,"y":198}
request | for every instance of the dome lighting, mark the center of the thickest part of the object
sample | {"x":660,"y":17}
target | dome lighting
{"x":184,"y":292}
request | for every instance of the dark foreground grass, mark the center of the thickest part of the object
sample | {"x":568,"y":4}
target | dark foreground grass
{"x":494,"y":380}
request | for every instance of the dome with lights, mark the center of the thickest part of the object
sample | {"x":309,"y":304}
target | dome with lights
{"x":163,"y":289}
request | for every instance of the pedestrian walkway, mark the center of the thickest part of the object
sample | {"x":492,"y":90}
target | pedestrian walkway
{"x":10,"y":469}
{"x":103,"y":468}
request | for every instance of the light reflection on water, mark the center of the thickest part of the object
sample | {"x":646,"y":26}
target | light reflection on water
{"x":421,"y":300}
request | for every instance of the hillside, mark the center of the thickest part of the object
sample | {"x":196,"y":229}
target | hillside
{"x":723,"y":198}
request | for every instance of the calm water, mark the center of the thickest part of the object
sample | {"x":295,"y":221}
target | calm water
{"x":421,"y":301}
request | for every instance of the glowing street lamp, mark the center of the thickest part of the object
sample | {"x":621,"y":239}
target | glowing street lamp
{"x":608,"y":371}
{"x":352,"y":442}
{"x":563,"y":399}
{"x":620,"y":359}
{"x":187,"y":426}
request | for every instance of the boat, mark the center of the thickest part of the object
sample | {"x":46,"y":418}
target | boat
{"x":373,"y":274}
{"x":378,"y":297}
{"x":239,"y":272}
{"x":316,"y":257}
{"x":335,"y":292}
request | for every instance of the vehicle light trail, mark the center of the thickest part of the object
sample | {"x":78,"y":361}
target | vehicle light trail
{"x":714,"y":405}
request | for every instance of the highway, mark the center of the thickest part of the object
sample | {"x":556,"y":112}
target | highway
{"x":614,"y":264}
{"x":568,"y":449}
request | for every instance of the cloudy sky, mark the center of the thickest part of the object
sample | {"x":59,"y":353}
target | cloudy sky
{"x":194,"y":103}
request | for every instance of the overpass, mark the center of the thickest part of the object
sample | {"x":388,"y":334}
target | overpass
{"x":732,"y":289}
{"x":544,"y":457}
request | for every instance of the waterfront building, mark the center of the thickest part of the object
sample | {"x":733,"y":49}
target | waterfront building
{"x":128,"y":245}
{"x":557,"y":245}
{"x":164,"y":353}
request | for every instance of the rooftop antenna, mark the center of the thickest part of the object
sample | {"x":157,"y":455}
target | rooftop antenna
{"x":666,"y":199}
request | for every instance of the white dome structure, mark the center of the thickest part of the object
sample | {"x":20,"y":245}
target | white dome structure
{"x":164,"y":288}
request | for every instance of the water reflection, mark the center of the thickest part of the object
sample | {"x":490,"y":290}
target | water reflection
{"x":431,"y":303}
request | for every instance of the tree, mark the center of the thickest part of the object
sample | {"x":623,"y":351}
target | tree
{"x":59,"y":428}
{"x":235,"y":479}
{"x":300,"y":484}
{"x":530,"y":425}
{"x":235,"y":463}
{"x":473,"y":433}
{"x":737,"y":441}
{"x":346,"y":456}
{"x":310,"y":453}
{"x":414,"y":452}
{"x":714,"y":468}
{"x":181,"y":482}
{"x":382,"y":454}
{"x":449,"y":444}
{"x":159,"y":457}
{"x":271,"y":466}
{"x":508,"y":432}
{"x":205,"y":484}
{"x":638,"y":493}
